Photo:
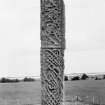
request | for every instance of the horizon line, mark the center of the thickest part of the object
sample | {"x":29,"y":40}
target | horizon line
{"x":90,"y":73}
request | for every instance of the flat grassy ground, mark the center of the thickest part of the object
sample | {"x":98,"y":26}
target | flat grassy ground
{"x":23,"y":93}
{"x":28,"y":93}
{"x":86,"y":89}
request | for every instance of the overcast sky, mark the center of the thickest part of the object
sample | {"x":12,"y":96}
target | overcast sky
{"x":20,"y":37}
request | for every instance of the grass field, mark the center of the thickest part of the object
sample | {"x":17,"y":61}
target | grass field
{"x":23,"y":93}
{"x":86,"y":89}
{"x":28,"y":93}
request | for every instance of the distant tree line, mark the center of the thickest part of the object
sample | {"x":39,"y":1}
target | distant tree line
{"x":8,"y":80}
{"x":66,"y":78}
{"x":83,"y":77}
{"x":100,"y":78}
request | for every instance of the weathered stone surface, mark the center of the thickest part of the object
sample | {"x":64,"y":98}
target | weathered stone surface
{"x":52,"y":51}
{"x":52,"y":24}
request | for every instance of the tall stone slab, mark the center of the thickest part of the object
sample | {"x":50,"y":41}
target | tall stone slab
{"x":52,"y":51}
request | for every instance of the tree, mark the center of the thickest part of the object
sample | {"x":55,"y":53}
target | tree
{"x":3,"y":80}
{"x":7,"y":80}
{"x":84,"y":77}
{"x":26,"y":79}
{"x":66,"y":78}
{"x":75,"y":78}
{"x":103,"y":76}
{"x":96,"y":78}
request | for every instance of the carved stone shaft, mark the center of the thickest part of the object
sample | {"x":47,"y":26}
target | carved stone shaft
{"x":52,"y":51}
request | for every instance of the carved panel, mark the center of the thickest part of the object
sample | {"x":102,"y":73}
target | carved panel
{"x":52,"y":51}
{"x":52,"y":76}
{"x":52,"y":24}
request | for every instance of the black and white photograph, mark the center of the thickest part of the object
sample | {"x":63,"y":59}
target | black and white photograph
{"x":52,"y":52}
